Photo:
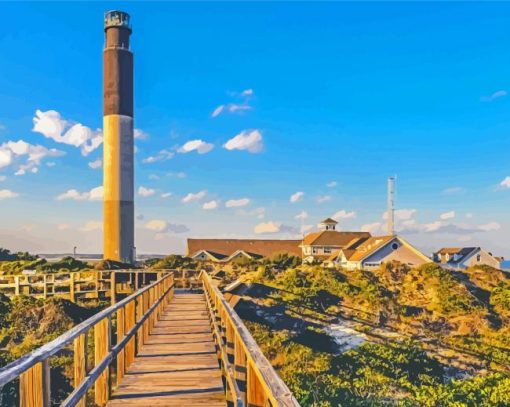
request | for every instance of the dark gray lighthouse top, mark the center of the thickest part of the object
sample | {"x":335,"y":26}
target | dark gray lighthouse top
{"x":117,"y":18}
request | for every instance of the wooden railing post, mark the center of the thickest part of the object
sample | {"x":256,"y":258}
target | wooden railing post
{"x":72,"y":296}
{"x":240,"y":367}
{"x":129,"y":323}
{"x":230,"y":357}
{"x":45,"y":287}
{"x":139,"y":315}
{"x":16,"y":285}
{"x":121,"y":363}
{"x":80,"y":364}
{"x":101,"y":349}
{"x":255,"y":391}
{"x":34,"y":386}
{"x":113,"y":287}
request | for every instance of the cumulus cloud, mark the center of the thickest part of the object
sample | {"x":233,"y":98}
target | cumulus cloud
{"x":51,"y":125}
{"x":96,"y":164}
{"x":23,"y":156}
{"x":496,"y":95}
{"x":343,"y":214}
{"x":145,"y":192}
{"x":372,"y":228}
{"x":210,"y":205}
{"x":162,"y":226}
{"x":453,"y":190}
{"x":163,"y":155}
{"x":176,"y":174}
{"x":234,"y":203}
{"x":95,"y":194}
{"x":322,"y":199}
{"x":194,"y":197}
{"x":7,"y":194}
{"x":296,"y":197}
{"x":274,"y":227}
{"x":241,"y":107}
{"x":140,"y":134}
{"x":447,"y":215}
{"x":249,"y":140}
{"x":201,"y":147}
{"x":92,"y":225}
{"x":332,"y":184}
{"x":301,"y":216}
{"x":505,"y":183}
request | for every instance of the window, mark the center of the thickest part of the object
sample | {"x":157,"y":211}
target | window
{"x":314,"y":250}
{"x":478,"y":258}
{"x":394,"y":246}
{"x":327,"y":250}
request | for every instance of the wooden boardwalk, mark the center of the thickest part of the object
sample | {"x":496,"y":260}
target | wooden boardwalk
{"x":178,"y":365}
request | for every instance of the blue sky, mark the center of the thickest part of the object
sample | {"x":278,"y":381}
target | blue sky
{"x":317,"y":94}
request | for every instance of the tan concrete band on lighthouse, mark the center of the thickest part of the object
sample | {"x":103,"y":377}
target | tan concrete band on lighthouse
{"x":118,"y":187}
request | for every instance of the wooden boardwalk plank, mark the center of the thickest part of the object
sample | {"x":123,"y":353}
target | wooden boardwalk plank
{"x":178,"y":364}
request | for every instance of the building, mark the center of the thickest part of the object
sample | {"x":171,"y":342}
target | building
{"x":370,"y":253}
{"x":460,"y":258}
{"x":118,"y":141}
{"x":227,"y":250}
{"x":319,"y":246}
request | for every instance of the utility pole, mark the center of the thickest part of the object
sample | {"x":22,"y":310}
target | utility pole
{"x":391,"y":208}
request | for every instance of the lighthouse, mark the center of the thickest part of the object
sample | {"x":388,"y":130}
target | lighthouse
{"x":118,"y":141}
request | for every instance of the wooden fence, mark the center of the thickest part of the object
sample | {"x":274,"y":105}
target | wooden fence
{"x":134,"y":318}
{"x":249,"y":378}
{"x":85,"y":285}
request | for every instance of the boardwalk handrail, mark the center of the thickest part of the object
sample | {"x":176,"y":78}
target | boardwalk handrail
{"x":135,"y":315}
{"x":259,"y":383}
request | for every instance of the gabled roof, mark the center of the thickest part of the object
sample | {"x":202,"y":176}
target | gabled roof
{"x":329,"y":220}
{"x":263,"y":248}
{"x":462,"y":252}
{"x":215,"y":256}
{"x":333,"y":238}
{"x":360,"y":250}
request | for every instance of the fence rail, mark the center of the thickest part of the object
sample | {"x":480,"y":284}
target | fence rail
{"x":86,"y":285}
{"x":249,"y":378}
{"x":134,"y":318}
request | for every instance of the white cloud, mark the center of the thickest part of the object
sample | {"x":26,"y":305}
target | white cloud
{"x":343,"y":214}
{"x":51,"y":125}
{"x":163,"y":155}
{"x":140,"y":134}
{"x":96,"y":164}
{"x":200,"y":146}
{"x":95,"y":194}
{"x":247,"y":92}
{"x":402,"y":214}
{"x":267,"y":227}
{"x":447,"y":215}
{"x":216,"y":112}
{"x":505,"y":183}
{"x":210,"y":205}
{"x":332,"y":184}
{"x":274,"y":227}
{"x":234,"y":203}
{"x":249,"y":140}
{"x":372,"y":228}
{"x":490,"y":226}
{"x":153,"y":176}
{"x":23,"y":156}
{"x":176,"y":174}
{"x":495,"y":95}
{"x":322,"y":199}
{"x":296,"y":197}
{"x":453,"y":190}
{"x":145,"y":192}
{"x":469,"y":215}
{"x":166,"y":195}
{"x":194,"y":197}
{"x":162,"y":226}
{"x":92,"y":225}
{"x":63,"y":226}
{"x":3,"y":177}
{"x":7,"y":194}
{"x":301,"y":216}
